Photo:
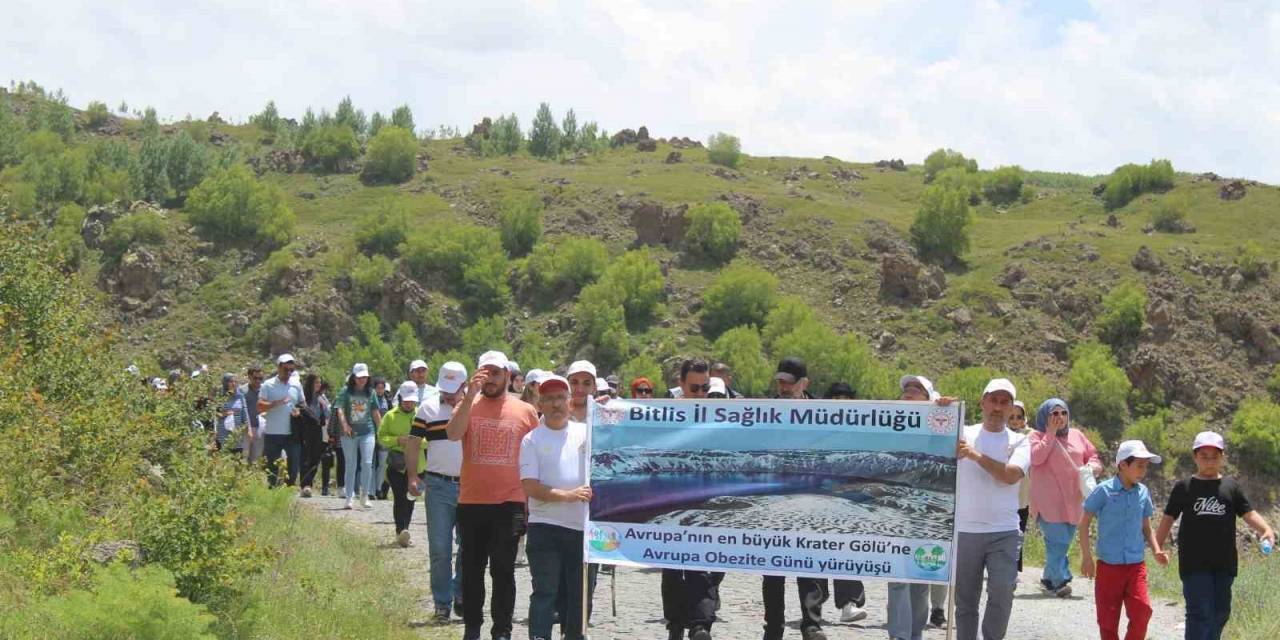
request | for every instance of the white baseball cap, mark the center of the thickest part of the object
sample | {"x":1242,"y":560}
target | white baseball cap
{"x":408,"y":391}
{"x":513,"y":367}
{"x":1001,"y":384}
{"x":133,"y":368}
{"x":1209,"y":439}
{"x":581,"y":366}
{"x":551,"y":381}
{"x":920,"y":380}
{"x":602,"y":385}
{"x":285,"y":358}
{"x":1135,"y":449}
{"x":361,"y":370}
{"x":418,"y":364}
{"x":534,"y":376}
{"x":716,"y":385}
{"x":452,"y":375}
{"x":492,"y":359}
{"x":159,"y":384}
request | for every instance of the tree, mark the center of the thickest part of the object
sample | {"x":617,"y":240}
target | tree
{"x":470,"y":259}
{"x":486,"y":334}
{"x":402,"y":116}
{"x":713,"y":230}
{"x":544,"y":136}
{"x":1124,"y":310}
{"x":942,"y":159}
{"x":186,"y":163}
{"x":144,"y":227}
{"x":308,"y":123}
{"x":834,"y":358}
{"x":331,"y":147}
{"x":636,"y":276}
{"x":1098,"y":389}
{"x":740,"y":348}
{"x":150,"y":123}
{"x":348,"y":115}
{"x":787,"y":314}
{"x":741,"y":295}
{"x":940,"y":230}
{"x":376,"y":122}
{"x":505,"y":137}
{"x":1129,"y":181}
{"x":1004,"y":185}
{"x":724,"y":150}
{"x":557,"y":268}
{"x":268,"y":119}
{"x":151,"y":173}
{"x":603,"y":323}
{"x":58,"y":174}
{"x":967,"y":384}
{"x":569,"y":132}
{"x":232,"y":206}
{"x":12,"y":132}
{"x":392,"y":156}
{"x":521,"y":224}
{"x":97,"y":114}
{"x":643,"y":365}
{"x":383,"y":230}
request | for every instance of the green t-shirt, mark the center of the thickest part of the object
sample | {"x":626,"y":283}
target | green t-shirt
{"x":359,"y":407}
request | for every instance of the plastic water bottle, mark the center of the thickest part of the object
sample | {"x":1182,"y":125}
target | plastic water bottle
{"x":1266,"y":547}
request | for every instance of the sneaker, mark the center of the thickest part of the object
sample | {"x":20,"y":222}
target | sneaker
{"x":471,"y":633}
{"x":367,"y":503}
{"x":813,"y":633}
{"x":852,"y":613}
{"x":1064,"y":591}
{"x":306,"y":492}
{"x":937,"y":618}
{"x":675,"y":634}
{"x":457,"y":608}
{"x":403,"y":539}
{"x":324,"y":491}
{"x":442,"y":615}
{"x":351,"y":502}
{"x":699,"y":633}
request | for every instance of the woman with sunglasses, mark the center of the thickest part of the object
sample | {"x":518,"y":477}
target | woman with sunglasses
{"x":1057,"y":454}
{"x":1018,"y":423}
{"x":641,"y":388}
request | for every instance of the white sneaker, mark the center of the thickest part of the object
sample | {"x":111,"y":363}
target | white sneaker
{"x":306,"y":492}
{"x":852,"y":613}
{"x":366,"y":504}
{"x":351,"y":502}
{"x":403,"y":539}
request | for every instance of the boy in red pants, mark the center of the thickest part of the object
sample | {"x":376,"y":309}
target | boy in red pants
{"x":1122,"y":505}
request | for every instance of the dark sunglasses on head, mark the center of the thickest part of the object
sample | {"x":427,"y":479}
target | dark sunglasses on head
{"x":698,"y":387}
{"x":644,"y":391}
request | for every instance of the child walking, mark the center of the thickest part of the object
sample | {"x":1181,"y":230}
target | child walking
{"x":1122,"y":505}
{"x":1208,"y":503}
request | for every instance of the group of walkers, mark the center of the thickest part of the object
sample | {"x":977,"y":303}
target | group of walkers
{"x":501,"y":455}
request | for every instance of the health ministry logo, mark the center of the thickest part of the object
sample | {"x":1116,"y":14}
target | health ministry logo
{"x":609,"y":416}
{"x":941,"y":420}
{"x":930,"y":557}
{"x":605,"y":539}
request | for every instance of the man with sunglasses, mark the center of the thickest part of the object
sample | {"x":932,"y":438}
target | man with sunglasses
{"x":690,"y":598}
{"x":278,"y":401}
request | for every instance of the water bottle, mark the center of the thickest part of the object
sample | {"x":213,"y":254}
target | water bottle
{"x":1266,"y":547}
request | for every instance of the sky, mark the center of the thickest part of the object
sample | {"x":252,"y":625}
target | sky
{"x":1062,"y":86}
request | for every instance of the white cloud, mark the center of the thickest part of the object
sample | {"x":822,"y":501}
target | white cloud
{"x":1066,"y":86}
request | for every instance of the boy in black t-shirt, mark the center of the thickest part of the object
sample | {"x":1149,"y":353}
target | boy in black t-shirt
{"x":1208,"y":504}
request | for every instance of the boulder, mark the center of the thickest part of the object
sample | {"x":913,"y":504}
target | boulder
{"x":647,"y":144}
{"x":117,"y":551}
{"x":624,"y":137}
{"x":1147,"y":260}
{"x":280,"y":339}
{"x":96,"y":222}
{"x":655,"y":224}
{"x":961,"y":317}
{"x":845,"y":175}
{"x":1012,"y":274}
{"x":1160,"y":317}
{"x":402,"y":299}
{"x":642,"y":133}
{"x":674,"y":157}
{"x":138,"y":274}
{"x":1241,"y":323}
{"x":892,"y":165}
{"x":1160,"y":374}
{"x":882,"y":237}
{"x":1233,"y":190}
{"x":902,"y":277}
{"x":1057,"y":345}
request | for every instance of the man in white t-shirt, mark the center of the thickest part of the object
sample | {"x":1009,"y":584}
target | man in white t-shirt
{"x":991,"y":459}
{"x":553,"y":470}
{"x":418,"y":371}
{"x":444,"y":466}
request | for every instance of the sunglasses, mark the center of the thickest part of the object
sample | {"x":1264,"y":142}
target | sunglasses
{"x":694,"y":388}
{"x":1057,"y":413}
{"x":644,"y":392}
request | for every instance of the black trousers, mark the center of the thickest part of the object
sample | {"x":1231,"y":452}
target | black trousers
{"x":402,"y":509}
{"x":813,"y":593}
{"x":850,"y":592}
{"x":1023,"y":514}
{"x":690,"y":598}
{"x":490,"y":534}
{"x":313,"y":446}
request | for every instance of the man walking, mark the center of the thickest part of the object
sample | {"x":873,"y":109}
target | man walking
{"x":278,"y":402}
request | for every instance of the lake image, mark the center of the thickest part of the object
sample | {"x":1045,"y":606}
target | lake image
{"x":902,"y":494}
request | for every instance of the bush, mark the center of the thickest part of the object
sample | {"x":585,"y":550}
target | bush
{"x":636,"y":276}
{"x":12,"y":132}
{"x":741,"y":295}
{"x":268,"y":119}
{"x":724,"y":150}
{"x":521,"y":224}
{"x":97,"y":114}
{"x":834,"y":358}
{"x":470,"y":259}
{"x":1003,"y":186}
{"x":602,"y":318}
{"x":144,"y":227}
{"x":392,"y":156}
{"x":789,"y":313}
{"x":232,"y":206}
{"x":741,"y":349}
{"x":1252,"y":260}
{"x":486,"y":334}
{"x":186,"y":163}
{"x":943,"y":159}
{"x":1255,"y":437}
{"x":544,"y":135}
{"x":1131,"y":180}
{"x":504,"y":138}
{"x":368,"y":275}
{"x":558,"y":268}
{"x":402,"y":116}
{"x":57,"y":173}
{"x":1167,"y":437}
{"x":1273,"y":383}
{"x":1170,"y":215}
{"x":940,"y":230}
{"x":331,"y":147}
{"x":65,"y":234}
{"x":713,"y":231}
{"x":383,"y":230}
{"x":960,"y":179}
{"x":150,"y":175}
{"x":1098,"y":389}
{"x":1124,"y":310}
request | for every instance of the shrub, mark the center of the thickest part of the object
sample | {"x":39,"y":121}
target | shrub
{"x":521,"y":224}
{"x":57,"y":173}
{"x":97,"y":114}
{"x":713,"y":230}
{"x":1003,"y":186}
{"x":724,"y":150}
{"x":505,"y":137}
{"x":279,"y":264}
{"x":331,"y":147}
{"x":144,"y":227}
{"x":383,"y":230}
{"x":1273,"y":383}
{"x":1170,"y":215}
{"x":834,"y":358}
{"x":602,"y":319}
{"x":469,"y":258}
{"x":557,"y":268}
{"x":392,"y":156}
{"x":151,"y":173}
{"x":368,"y":273}
{"x":1098,"y":389}
{"x":544,"y":135}
{"x":402,"y":116}
{"x":789,"y":312}
{"x":1131,"y":180}
{"x":349,"y":116}
{"x":943,"y":159}
{"x":532,"y":352}
{"x":741,"y":295}
{"x":741,"y":349}
{"x":65,"y":234}
{"x":1162,"y":433}
{"x":1254,"y":436}
{"x":186,"y":163}
{"x":1252,"y":260}
{"x":967,"y":384}
{"x":636,"y":276}
{"x":485,"y":334}
{"x":268,"y":119}
{"x":1124,"y":310}
{"x":232,"y":206}
{"x":12,"y":132}
{"x":960,"y":179}
{"x":940,"y":230}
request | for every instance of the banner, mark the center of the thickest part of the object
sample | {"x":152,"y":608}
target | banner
{"x":820,"y":488}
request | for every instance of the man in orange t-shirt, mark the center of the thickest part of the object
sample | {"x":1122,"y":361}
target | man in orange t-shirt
{"x":491,"y":513}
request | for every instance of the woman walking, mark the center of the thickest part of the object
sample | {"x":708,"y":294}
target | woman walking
{"x":310,"y":425}
{"x":393,"y":434}
{"x":357,"y":410}
{"x":1059,"y":454}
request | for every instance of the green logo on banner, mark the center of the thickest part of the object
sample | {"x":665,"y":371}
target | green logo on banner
{"x":604,"y":539}
{"x":930,"y":557}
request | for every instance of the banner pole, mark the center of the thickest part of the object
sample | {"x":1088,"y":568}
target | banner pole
{"x":951,"y":610}
{"x":955,"y":541}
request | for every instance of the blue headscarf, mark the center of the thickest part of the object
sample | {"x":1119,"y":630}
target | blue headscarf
{"x":1042,"y":414}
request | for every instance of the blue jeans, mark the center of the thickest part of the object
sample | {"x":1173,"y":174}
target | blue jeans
{"x":442,"y":519}
{"x":555,"y":565}
{"x":1057,"y":543}
{"x":379,"y":469}
{"x":351,"y":446}
{"x":1208,"y":596}
{"x":272,"y":446}
{"x":908,"y":610}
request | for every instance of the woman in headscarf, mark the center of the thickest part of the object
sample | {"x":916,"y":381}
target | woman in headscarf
{"x":1018,"y":422}
{"x":1057,"y":454}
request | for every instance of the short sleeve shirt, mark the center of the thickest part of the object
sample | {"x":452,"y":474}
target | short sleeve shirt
{"x":491,"y":450}
{"x":278,"y":419}
{"x":1120,"y":514}
{"x":556,"y":458}
{"x":1207,"y":535}
{"x":983,"y":503}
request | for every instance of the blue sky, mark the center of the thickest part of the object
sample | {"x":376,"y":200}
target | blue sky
{"x":1070,"y":86}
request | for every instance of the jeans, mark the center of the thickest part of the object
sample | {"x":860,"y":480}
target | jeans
{"x":402,"y":510}
{"x":812,"y":592}
{"x":313,"y":446}
{"x":358,"y":450}
{"x":908,"y":610}
{"x":938,"y":594}
{"x":997,"y":555}
{"x":1122,"y":585}
{"x":690,"y":598}
{"x":1057,"y":543}
{"x":1023,"y":514}
{"x":331,"y":459}
{"x":379,"y":469}
{"x":273,"y":446}
{"x":556,"y":565}
{"x":490,"y":534}
{"x":1208,"y":596}
{"x":442,"y":518}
